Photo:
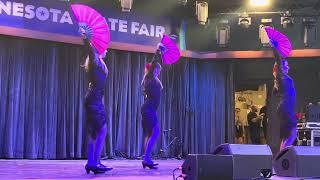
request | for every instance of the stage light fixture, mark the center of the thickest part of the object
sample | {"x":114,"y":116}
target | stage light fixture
{"x":263,"y":36}
{"x":286,"y":20}
{"x":259,"y":3}
{"x":244,"y":20}
{"x":262,"y":33}
{"x":183,"y":2}
{"x":223,"y":33}
{"x":202,"y":11}
{"x":310,"y":31}
{"x":126,"y":5}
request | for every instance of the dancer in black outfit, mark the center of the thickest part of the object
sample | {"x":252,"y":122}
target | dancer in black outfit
{"x":152,"y":92}
{"x":96,"y":114}
{"x":284,"y":87}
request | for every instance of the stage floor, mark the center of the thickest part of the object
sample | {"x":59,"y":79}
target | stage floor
{"x":74,"y":169}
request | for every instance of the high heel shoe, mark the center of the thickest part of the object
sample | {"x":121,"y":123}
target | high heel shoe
{"x":105,"y":168}
{"x":94,"y":169}
{"x":150,"y":165}
{"x":87,"y":169}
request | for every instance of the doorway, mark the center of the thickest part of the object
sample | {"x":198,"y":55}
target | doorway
{"x":251,"y":122}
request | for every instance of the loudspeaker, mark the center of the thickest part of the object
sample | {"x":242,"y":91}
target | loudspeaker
{"x":207,"y":167}
{"x":298,"y":161}
{"x":249,"y":161}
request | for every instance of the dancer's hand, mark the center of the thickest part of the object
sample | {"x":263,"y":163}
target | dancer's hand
{"x":276,"y":54}
{"x":83,"y":33}
{"x":160,"y":46}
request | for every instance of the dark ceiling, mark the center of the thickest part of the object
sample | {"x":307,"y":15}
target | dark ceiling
{"x":174,"y":8}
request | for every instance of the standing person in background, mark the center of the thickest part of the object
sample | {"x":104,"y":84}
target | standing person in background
{"x":263,"y":113}
{"x":254,"y":125}
{"x":239,"y":127}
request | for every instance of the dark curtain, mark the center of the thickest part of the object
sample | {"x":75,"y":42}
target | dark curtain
{"x":43,"y":85}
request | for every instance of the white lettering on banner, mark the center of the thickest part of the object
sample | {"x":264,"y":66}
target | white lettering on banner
{"x":30,"y":12}
{"x":66,"y":18}
{"x":136,"y":28}
{"x":160,"y":31}
{"x":152,"y":30}
{"x":17,"y":9}
{"x":144,"y":30}
{"x":5,"y":7}
{"x":113,"y":23}
{"x":55,"y":13}
{"x":42,"y":13}
{"x":123,"y":26}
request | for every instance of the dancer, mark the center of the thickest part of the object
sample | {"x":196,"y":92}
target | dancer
{"x":152,"y":91}
{"x":96,"y":114}
{"x":284,"y":87}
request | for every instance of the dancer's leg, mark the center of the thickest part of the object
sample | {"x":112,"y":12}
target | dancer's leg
{"x":90,"y":151}
{"x":99,"y":144}
{"x":290,"y":139}
{"x":150,"y":143}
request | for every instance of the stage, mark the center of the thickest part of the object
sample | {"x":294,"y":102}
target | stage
{"x":74,"y":169}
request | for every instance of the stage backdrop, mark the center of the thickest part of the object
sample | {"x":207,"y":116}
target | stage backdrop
{"x":42,"y":87}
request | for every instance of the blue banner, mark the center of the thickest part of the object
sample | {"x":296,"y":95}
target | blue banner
{"x":44,"y":16}
{"x":53,"y":20}
{"x":132,"y":28}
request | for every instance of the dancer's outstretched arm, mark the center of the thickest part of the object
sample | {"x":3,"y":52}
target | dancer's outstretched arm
{"x":88,"y":47}
{"x":278,"y":61}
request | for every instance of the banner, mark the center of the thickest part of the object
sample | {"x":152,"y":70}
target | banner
{"x":54,"y":21}
{"x":131,"y":28}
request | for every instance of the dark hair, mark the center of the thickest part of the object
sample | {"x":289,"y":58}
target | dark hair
{"x":86,"y":64}
{"x":275,"y":66}
{"x":150,"y":74}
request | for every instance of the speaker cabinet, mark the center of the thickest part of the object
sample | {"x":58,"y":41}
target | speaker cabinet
{"x":249,"y":161}
{"x":230,"y":161}
{"x":298,"y":161}
{"x":207,"y":167}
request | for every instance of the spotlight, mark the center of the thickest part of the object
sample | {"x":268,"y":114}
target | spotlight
{"x":202,"y":12}
{"x":263,"y":36}
{"x":259,"y":3}
{"x":286,"y":20}
{"x":266,"y":22}
{"x":183,"y":2}
{"x":262,"y":33}
{"x":310,"y":31}
{"x":126,"y":5}
{"x":244,"y":20}
{"x":223,"y":33}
